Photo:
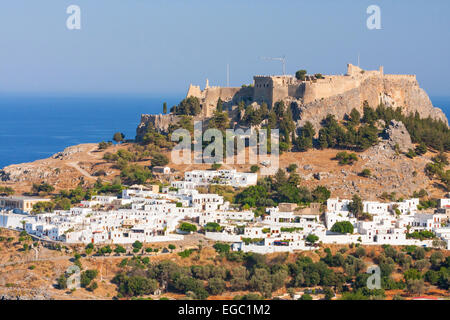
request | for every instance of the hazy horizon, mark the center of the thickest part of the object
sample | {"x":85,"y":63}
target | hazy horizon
{"x":157,"y":48}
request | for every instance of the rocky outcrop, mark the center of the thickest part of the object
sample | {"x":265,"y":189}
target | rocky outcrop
{"x":313,"y":100}
{"x":397,"y":135}
{"x":67,"y":152}
{"x":34,"y":294}
{"x":160,"y":122}
{"x":392,"y":91}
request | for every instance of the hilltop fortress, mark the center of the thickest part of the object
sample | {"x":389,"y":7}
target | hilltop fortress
{"x":314,"y":97}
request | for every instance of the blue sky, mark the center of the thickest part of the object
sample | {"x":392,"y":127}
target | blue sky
{"x":158,"y":47}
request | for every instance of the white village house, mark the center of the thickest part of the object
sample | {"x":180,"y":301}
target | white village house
{"x":148,"y":215}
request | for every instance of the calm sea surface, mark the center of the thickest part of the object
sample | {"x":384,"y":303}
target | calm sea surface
{"x":34,"y":128}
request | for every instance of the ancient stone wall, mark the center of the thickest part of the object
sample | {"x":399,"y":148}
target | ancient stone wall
{"x":330,"y":86}
{"x":263,"y":89}
{"x":212,"y":95}
{"x":315,"y":98}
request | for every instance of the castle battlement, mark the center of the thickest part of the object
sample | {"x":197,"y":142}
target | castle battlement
{"x":409,"y":77}
{"x":313,"y":99}
{"x":273,"y":88}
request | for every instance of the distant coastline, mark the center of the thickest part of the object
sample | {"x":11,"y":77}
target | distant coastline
{"x":36,"y":127}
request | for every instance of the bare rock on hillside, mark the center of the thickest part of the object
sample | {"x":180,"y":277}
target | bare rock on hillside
{"x":396,"y":134}
{"x":160,"y":122}
{"x":67,"y":152}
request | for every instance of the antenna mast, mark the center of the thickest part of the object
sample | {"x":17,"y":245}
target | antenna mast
{"x":282,"y":59}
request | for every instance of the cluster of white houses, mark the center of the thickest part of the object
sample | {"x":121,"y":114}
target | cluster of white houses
{"x":225,"y":177}
{"x":148,"y":215}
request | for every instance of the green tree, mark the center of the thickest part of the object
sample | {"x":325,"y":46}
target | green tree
{"x":219,"y":121}
{"x":369,"y":114}
{"x":216,"y":285}
{"x":421,"y":149}
{"x":260,"y":281}
{"x":138,"y":286}
{"x":44,"y":187}
{"x":437,"y":258}
{"x":415,"y":286}
{"x":300,"y":74}
{"x":419,"y":253}
{"x":356,"y":206}
{"x":221,"y":247}
{"x":411,"y":153}
{"x":346,"y":158}
{"x":312,"y":238}
{"x":6,"y":191}
{"x":118,"y":137}
{"x":187,"y":227}
{"x":366,"y":173}
{"x":343,"y":227}
{"x":321,"y":194}
{"x":272,"y":120}
{"x":137,"y":245}
{"x":159,"y":159}
{"x":93,"y":286}
{"x":355,"y":117}
{"x":189,"y":106}
{"x":239,"y":276}
{"x":87,"y":276}
{"x":119,"y":249}
{"x":219,"y":106}
{"x":329,"y":294}
{"x":165,"y":107}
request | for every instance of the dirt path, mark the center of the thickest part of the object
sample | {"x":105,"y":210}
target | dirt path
{"x":80,"y":170}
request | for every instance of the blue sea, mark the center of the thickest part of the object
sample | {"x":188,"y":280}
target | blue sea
{"x":35,"y":127}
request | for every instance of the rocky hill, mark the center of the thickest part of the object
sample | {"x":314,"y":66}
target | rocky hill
{"x":313,"y":98}
{"x":159,"y":121}
{"x":391,"y":170}
{"x":63,"y":170}
{"x":392,"y":92}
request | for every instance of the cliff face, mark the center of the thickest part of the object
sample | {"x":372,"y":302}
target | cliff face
{"x":393,"y":91}
{"x":160,"y":121}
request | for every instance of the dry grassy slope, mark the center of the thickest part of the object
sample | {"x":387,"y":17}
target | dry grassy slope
{"x":391,"y":173}
{"x":39,"y":283}
{"x":64,"y":172}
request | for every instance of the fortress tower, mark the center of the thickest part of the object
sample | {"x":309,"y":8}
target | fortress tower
{"x":334,"y":93}
{"x":314,"y":97}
